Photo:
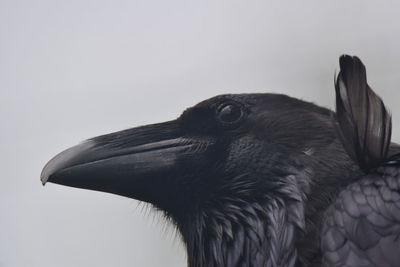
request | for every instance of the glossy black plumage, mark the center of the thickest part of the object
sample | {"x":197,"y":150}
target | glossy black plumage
{"x":365,"y":124}
{"x":362,"y":226}
{"x":258,"y":179}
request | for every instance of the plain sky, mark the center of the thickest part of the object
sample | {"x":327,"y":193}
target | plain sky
{"x":71,"y":70}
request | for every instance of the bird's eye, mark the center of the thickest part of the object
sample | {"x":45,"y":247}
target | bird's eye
{"x":229,"y":113}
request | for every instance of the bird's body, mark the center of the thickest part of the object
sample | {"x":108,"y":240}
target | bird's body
{"x":362,"y":226}
{"x":260,"y":179}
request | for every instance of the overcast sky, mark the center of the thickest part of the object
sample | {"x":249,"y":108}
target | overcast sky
{"x":70,"y":70}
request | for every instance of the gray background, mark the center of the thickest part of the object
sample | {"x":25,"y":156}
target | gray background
{"x":70,"y":70}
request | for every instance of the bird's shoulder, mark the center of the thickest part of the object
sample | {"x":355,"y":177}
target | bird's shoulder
{"x":362,"y":226}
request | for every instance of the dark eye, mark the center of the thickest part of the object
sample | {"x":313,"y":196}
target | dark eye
{"x":229,"y":113}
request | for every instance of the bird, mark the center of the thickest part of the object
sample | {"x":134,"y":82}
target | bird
{"x":261,"y":179}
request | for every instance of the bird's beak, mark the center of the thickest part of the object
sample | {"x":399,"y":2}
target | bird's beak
{"x":137,"y":163}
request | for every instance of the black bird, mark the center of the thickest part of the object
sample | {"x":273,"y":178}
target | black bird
{"x":261,"y":179}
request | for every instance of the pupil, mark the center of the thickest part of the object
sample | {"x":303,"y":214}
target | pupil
{"x":230,"y":113}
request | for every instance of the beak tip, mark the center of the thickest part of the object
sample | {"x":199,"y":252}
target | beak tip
{"x":64,"y":159}
{"x":44,"y":177}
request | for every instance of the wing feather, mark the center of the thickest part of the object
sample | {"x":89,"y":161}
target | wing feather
{"x":365,"y":123}
{"x":362,"y":226}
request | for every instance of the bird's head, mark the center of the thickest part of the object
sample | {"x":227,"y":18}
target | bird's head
{"x":221,"y":165}
{"x":227,"y":147}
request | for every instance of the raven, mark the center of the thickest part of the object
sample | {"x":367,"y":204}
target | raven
{"x":261,"y":179}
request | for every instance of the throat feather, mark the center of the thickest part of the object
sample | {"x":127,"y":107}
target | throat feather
{"x":247,"y":235}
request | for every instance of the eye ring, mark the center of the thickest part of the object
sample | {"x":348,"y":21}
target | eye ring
{"x":229,"y":113}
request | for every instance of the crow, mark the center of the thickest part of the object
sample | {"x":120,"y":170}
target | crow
{"x":261,"y":179}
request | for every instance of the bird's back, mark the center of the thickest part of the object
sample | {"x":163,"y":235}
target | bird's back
{"x":362,"y":227}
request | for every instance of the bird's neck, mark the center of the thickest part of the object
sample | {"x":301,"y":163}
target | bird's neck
{"x":243,"y":234}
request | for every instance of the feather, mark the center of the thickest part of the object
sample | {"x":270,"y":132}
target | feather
{"x":364,"y":122}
